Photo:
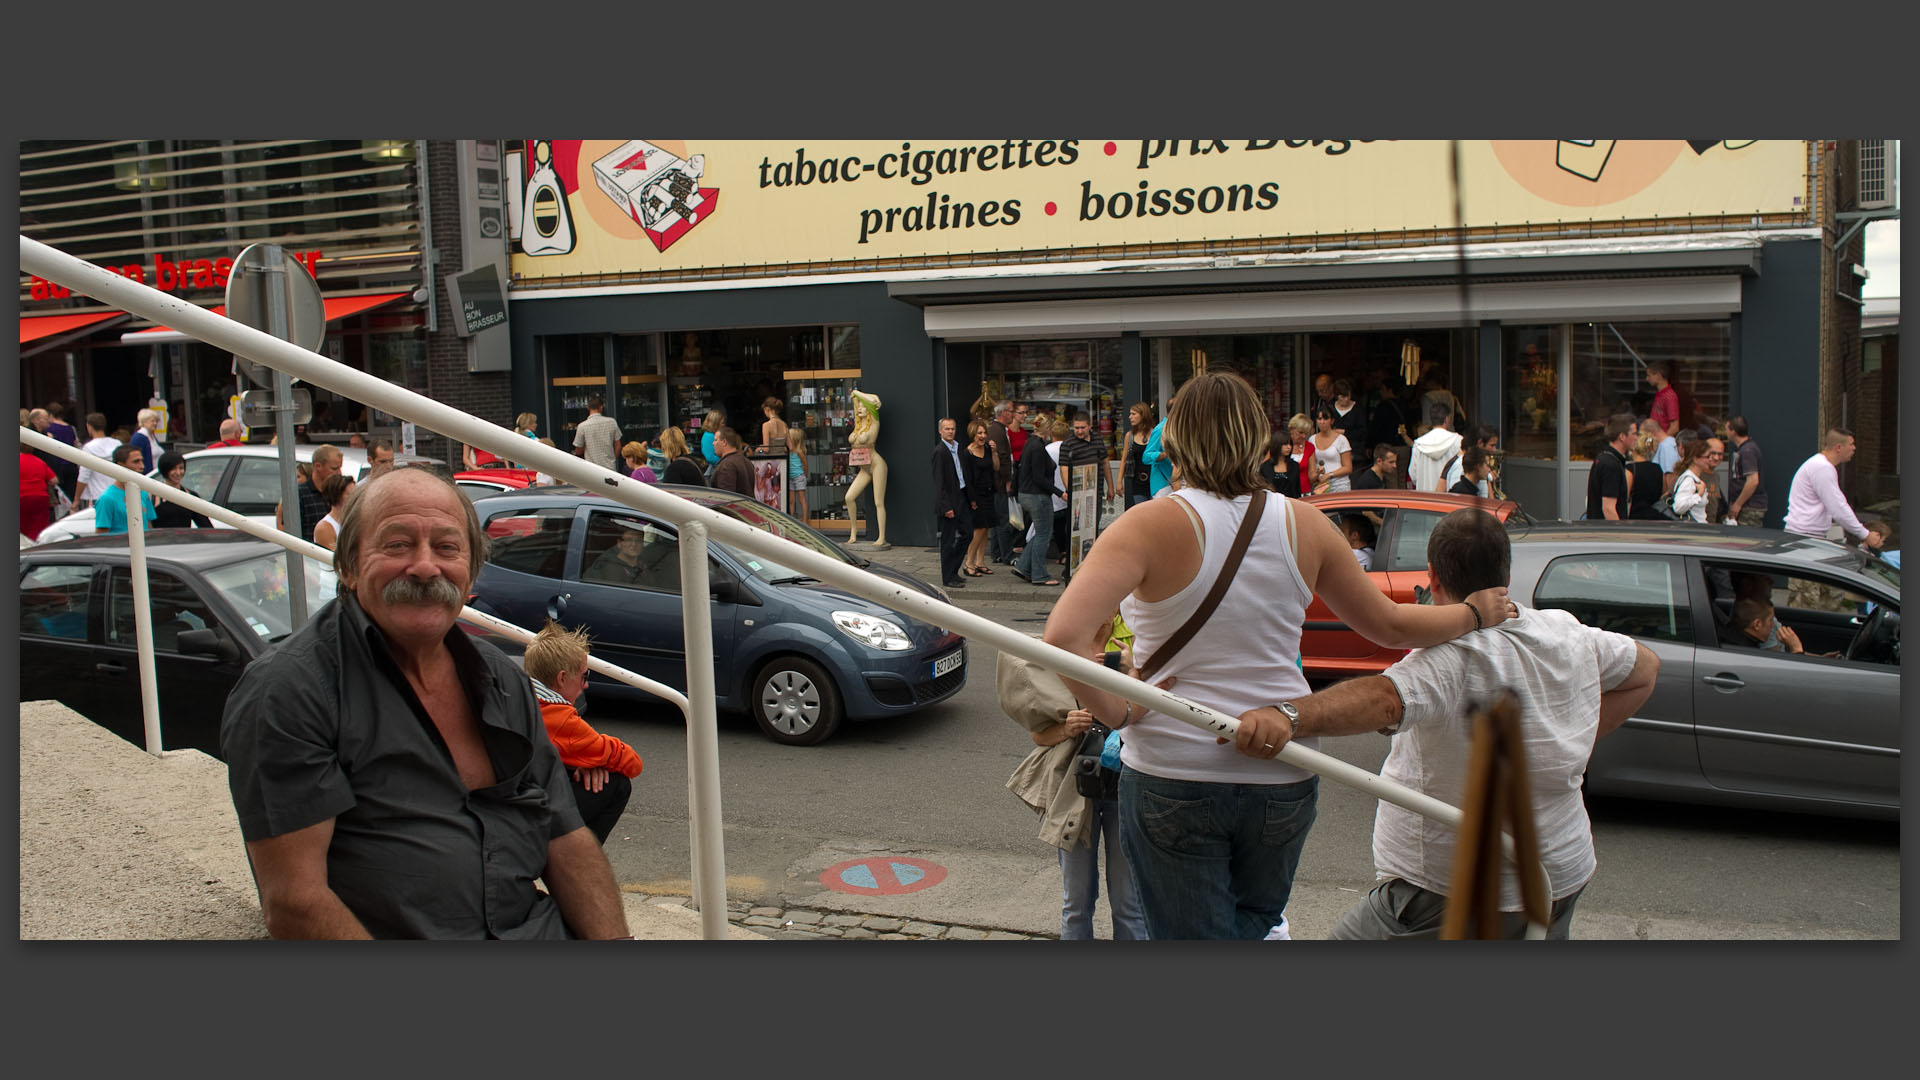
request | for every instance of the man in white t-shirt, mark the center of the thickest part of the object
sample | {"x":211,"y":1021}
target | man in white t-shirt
{"x":1575,"y":684}
{"x":100,"y":445}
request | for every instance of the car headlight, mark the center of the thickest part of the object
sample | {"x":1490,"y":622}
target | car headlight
{"x":880,"y":634}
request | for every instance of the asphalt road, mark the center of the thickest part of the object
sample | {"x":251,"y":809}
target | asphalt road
{"x":931,"y":786}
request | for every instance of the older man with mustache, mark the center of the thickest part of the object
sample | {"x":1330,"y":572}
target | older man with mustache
{"x":391,"y":774}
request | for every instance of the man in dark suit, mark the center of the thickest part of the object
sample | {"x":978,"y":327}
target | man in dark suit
{"x":950,"y":505}
{"x":1000,"y":535}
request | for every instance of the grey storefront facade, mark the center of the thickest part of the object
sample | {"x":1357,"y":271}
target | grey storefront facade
{"x":927,"y":343}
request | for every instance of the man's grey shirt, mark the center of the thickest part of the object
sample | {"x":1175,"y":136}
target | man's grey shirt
{"x":599,"y":437}
{"x":325,"y":726}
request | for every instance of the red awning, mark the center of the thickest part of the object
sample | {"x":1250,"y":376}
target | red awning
{"x":35,"y":327}
{"x":338,"y":307}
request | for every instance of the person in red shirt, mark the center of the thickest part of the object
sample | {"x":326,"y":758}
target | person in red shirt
{"x":37,"y":484}
{"x":1017,"y":431}
{"x":231,"y":434}
{"x":1666,"y":402}
{"x":601,"y":766}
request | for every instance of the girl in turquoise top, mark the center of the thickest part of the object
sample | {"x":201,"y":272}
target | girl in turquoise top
{"x":797,"y":472}
{"x":710,"y":427}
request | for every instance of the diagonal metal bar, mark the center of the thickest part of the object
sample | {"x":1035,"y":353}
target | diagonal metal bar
{"x":318,"y":370}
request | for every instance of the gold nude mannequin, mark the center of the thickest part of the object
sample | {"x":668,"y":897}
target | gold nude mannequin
{"x":866,"y":430}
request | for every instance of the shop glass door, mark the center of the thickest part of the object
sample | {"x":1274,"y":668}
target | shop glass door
{"x":576,"y":366}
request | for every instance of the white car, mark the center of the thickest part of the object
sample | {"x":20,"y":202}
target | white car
{"x":244,"y":479}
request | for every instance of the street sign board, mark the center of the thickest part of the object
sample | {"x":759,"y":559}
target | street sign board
{"x":261,"y":271}
{"x":256,"y":407}
{"x":478,"y":302}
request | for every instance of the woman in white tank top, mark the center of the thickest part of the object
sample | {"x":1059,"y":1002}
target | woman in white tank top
{"x":326,"y":532}
{"x":1332,"y":456}
{"x":1213,"y":834}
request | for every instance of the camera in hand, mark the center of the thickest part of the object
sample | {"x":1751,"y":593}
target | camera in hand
{"x":1090,"y":777}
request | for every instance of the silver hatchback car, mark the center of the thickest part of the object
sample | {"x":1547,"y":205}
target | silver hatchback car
{"x":1729,"y":722}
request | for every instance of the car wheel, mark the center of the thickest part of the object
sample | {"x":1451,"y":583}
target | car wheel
{"x":795,"y":702}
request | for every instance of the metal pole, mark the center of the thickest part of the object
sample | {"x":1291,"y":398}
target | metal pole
{"x":1563,"y":427}
{"x":703,"y":733}
{"x":143,"y":616}
{"x":273,"y":278}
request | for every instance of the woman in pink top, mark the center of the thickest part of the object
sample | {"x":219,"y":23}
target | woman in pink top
{"x":1213,"y":835}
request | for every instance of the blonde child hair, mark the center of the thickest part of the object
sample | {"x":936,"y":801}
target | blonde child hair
{"x":554,"y":652}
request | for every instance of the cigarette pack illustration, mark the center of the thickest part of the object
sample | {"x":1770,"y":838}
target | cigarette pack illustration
{"x":1585,"y":157}
{"x":657,"y":189}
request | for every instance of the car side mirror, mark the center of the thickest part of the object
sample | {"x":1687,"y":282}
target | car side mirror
{"x":725,"y":591}
{"x":205,"y":643}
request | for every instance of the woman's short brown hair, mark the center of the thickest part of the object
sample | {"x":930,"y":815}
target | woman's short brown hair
{"x":335,"y":489}
{"x":1216,"y":430}
{"x":672,"y":443}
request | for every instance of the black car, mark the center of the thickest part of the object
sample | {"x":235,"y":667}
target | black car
{"x":219,"y":599}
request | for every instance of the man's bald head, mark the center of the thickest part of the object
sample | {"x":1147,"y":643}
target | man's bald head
{"x":403,"y":487}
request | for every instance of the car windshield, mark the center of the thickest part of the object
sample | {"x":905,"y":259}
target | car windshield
{"x":257,"y":589}
{"x":762,"y":516}
{"x":1880,"y":570}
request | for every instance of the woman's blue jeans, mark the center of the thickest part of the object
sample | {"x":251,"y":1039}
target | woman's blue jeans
{"x":1033,"y":561}
{"x":1213,"y":860}
{"x":1080,"y":875}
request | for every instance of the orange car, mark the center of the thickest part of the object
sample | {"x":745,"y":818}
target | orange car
{"x":1402,"y":521}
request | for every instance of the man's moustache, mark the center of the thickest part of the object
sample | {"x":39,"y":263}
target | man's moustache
{"x":404,"y":590}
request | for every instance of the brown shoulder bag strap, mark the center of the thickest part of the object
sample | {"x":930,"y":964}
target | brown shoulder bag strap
{"x":1241,"y":539}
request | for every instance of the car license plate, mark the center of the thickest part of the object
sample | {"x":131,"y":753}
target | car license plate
{"x":948,"y":662}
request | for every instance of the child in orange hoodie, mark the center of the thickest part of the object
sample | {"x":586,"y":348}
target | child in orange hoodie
{"x":601,"y":765}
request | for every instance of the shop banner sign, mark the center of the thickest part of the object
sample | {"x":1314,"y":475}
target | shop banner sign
{"x":596,"y":208}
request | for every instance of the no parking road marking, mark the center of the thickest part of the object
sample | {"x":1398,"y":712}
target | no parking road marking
{"x":884,"y":875}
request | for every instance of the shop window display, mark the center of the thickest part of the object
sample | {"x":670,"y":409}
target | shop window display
{"x":820,"y":405}
{"x":576,"y":367}
{"x":640,"y":403}
{"x":1607,"y":374}
{"x":1070,"y":377}
{"x":1265,"y":360}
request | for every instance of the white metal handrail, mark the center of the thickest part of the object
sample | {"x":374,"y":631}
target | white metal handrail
{"x":164,"y":490}
{"x":110,"y":288}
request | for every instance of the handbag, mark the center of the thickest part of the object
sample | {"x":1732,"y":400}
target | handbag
{"x":1016,"y":516}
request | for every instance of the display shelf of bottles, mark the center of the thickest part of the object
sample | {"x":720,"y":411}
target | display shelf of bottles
{"x":691,"y":400}
{"x":820,"y":405}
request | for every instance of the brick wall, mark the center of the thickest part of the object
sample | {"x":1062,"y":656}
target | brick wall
{"x":484,"y":394}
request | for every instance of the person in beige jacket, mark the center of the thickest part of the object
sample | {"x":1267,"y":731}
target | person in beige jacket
{"x":1036,"y":699}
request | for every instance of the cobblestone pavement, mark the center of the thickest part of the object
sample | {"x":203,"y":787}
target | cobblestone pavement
{"x":803,"y":924}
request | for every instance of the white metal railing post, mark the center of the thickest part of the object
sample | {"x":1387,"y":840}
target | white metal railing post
{"x":703,"y":733}
{"x":142,"y":615}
